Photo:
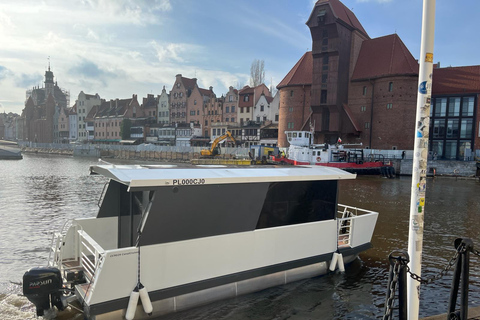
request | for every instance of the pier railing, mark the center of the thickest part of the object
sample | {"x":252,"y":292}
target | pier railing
{"x":397,"y":284}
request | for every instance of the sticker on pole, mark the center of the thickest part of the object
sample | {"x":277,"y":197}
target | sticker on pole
{"x":423,"y":87}
{"x":429,"y":57}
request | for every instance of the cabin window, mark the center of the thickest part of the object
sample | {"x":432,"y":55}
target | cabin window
{"x":289,"y":203}
{"x":299,"y":134}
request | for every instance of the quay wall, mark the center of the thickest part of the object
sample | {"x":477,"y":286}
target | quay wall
{"x":440,"y":168}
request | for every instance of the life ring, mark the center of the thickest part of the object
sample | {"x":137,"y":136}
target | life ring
{"x":318,"y":159}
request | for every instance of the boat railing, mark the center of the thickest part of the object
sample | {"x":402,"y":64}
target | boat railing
{"x":91,"y":254}
{"x":55,"y":257}
{"x":354,"y":225}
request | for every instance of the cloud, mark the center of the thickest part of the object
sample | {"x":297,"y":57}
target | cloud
{"x":28,"y":80}
{"x":174,"y":52}
{"x":88,"y":70}
{"x":139,"y":12}
{"x":3,"y":72}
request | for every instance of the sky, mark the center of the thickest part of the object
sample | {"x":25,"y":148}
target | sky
{"x":117,"y":48}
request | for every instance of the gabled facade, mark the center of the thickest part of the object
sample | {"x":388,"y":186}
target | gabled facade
{"x":163,"y":115}
{"x":230,"y":104}
{"x":262,"y":110}
{"x":85,"y":103}
{"x":179,"y":97}
{"x":247,"y":99}
{"x":73,"y":123}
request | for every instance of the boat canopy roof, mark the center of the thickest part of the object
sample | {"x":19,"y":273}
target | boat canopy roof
{"x":145,"y":176}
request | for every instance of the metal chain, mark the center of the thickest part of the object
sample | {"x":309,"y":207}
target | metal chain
{"x":441,"y":273}
{"x":393,"y":288}
{"x":476,"y":252}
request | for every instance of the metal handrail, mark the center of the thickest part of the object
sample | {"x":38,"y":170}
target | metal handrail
{"x":89,"y":249}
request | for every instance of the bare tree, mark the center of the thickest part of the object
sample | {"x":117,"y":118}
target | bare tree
{"x":257,"y":72}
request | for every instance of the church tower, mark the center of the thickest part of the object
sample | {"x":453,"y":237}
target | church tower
{"x":49,"y":85}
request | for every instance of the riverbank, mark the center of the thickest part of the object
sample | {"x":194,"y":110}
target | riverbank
{"x":403,"y":167}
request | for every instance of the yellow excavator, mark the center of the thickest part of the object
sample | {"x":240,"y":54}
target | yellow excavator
{"x":214,"y":149}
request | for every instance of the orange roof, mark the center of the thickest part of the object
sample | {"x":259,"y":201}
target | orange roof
{"x":343,"y":13}
{"x":456,"y":80}
{"x":384,"y":56}
{"x":301,"y":73}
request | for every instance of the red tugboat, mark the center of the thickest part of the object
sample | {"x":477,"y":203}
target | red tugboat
{"x":303,"y":152}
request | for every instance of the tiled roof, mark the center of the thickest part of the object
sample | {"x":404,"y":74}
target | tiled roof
{"x":246,"y":89}
{"x":456,"y":80}
{"x":301,"y":73}
{"x":189,"y":83}
{"x":269,"y":99}
{"x":343,"y":13}
{"x":205,"y":92}
{"x":351,"y":117}
{"x":384,"y":56}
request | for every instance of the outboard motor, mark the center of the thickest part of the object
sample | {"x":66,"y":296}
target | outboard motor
{"x":42,"y":286}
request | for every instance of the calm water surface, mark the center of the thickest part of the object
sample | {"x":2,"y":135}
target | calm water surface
{"x":39,"y":193}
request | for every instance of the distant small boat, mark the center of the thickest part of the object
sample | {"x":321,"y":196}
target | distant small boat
{"x":195,"y":235}
{"x":343,"y":156}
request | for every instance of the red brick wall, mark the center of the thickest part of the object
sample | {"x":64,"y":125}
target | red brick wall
{"x":389,"y":127}
{"x":300,"y":102}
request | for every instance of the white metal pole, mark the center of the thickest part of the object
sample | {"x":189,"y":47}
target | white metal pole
{"x":420,"y":156}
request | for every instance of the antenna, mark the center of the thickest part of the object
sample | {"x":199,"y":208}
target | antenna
{"x":48,"y":63}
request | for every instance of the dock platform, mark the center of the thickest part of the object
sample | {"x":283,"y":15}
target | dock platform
{"x":473,"y":314}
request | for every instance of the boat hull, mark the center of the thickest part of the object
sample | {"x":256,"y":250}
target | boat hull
{"x":216,"y":289}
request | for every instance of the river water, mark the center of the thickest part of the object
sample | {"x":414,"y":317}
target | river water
{"x":39,"y":193}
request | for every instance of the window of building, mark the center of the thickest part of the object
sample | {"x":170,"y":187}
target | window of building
{"x":233,"y":108}
{"x":440,"y":107}
{"x":258,"y":119}
{"x":262,"y":107}
{"x":206,"y":122}
{"x":466,"y":128}
{"x":389,"y":105}
{"x":245,"y":97}
{"x":195,"y":102}
{"x":230,"y":98}
{"x":248,"y":109}
{"x":364,"y":90}
{"x":232,"y":120}
{"x":367,"y":125}
{"x":291,"y":93}
{"x":390,"y":86}
{"x":226,"y":119}
{"x":276,"y":117}
{"x":214,"y":132}
{"x":290,"y":109}
{"x":467,"y":106}
{"x":323,"y":96}
{"x":324,"y":78}
{"x":198,"y":112}
{"x":264,"y":118}
{"x":227,"y":109}
{"x":363,"y":109}
{"x":290,"y":125}
{"x":454,"y":106}
{"x":241,"y":109}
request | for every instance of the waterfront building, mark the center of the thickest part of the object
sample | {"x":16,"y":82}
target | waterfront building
{"x":364,"y":90}
{"x":61,"y":129}
{"x":73,"y":123}
{"x":184,"y":132}
{"x":38,"y":123}
{"x":85,"y":103}
{"x":262,"y":109}
{"x":213,"y":110}
{"x":179,"y":97}
{"x":150,"y":107}
{"x":247,"y":99}
{"x":112,"y":120}
{"x":163,"y":115}
{"x":230,"y":105}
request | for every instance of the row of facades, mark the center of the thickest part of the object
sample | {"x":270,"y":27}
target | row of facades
{"x":187,"y":115}
{"x":350,"y":86}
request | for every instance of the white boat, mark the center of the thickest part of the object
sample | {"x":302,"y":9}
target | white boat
{"x":193,"y":236}
{"x":302,"y":151}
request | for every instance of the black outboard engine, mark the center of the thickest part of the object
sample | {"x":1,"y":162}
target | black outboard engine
{"x":42,"y":286}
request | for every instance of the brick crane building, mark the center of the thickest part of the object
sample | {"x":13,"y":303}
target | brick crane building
{"x":364,"y":90}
